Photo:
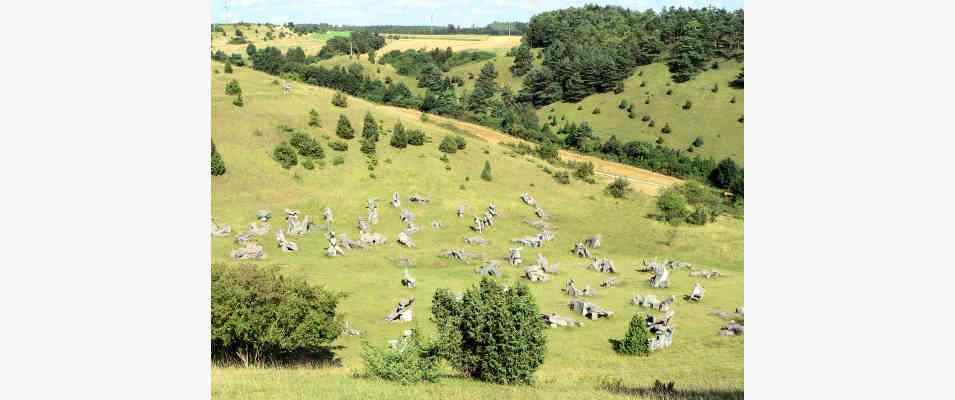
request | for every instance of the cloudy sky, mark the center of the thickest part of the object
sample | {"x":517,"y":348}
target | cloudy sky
{"x":417,"y":12}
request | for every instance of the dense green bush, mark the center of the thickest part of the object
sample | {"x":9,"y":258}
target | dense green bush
{"x":666,"y":128}
{"x":460,"y":142}
{"x":307,"y":164}
{"x":228,"y":67}
{"x":548,"y":150}
{"x":368,"y":146}
{"x":399,"y":139}
{"x":313,"y":119}
{"x":584,"y":170}
{"x":344,"y":129}
{"x":673,"y":206}
{"x":411,"y":361}
{"x":619,"y":188}
{"x":562,"y":177}
{"x":645,"y":118}
{"x":340,"y":100}
{"x":285,"y":155}
{"x":688,"y":105}
{"x":238,"y":102}
{"x":338,"y":160}
{"x":698,"y":142}
{"x":370,"y":128}
{"x":306,"y":145}
{"x":596,"y":110}
{"x":416,"y":137}
{"x":218,"y":166}
{"x":232,"y":88}
{"x":623,"y":104}
{"x":260,"y":316}
{"x":338,"y":145}
{"x":486,"y":172}
{"x":637,"y":339}
{"x":494,"y":334}
{"x":448,"y":145}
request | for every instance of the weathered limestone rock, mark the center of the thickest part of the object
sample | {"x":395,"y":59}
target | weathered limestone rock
{"x":492,"y":209}
{"x":404,"y":261}
{"x":735,"y":325}
{"x":609,"y":282}
{"x":540,"y":213}
{"x":539,"y":224}
{"x":545,"y":265}
{"x":527,"y":199}
{"x":603,"y":265}
{"x":581,"y":251}
{"x":328,"y":216}
{"x":406,"y":216}
{"x":362,"y":225}
{"x":661,"y":276}
{"x":478,"y":225}
{"x":417,"y":198}
{"x":259,"y":230}
{"x":348,"y":330}
{"x":395,"y":200}
{"x":371,"y":239}
{"x":263,"y":215}
{"x":554,"y":321}
{"x":286,"y":88}
{"x":220,"y":231}
{"x":732,"y":329}
{"x":534,"y":273}
{"x":407,"y":281}
{"x":334,"y":248}
{"x":458,"y":254}
{"x":514,"y":257}
{"x":296,"y":227}
{"x":243,"y":237}
{"x":571,"y":289}
{"x":651,"y":301}
{"x":403,"y":312}
{"x":489,"y":268}
{"x":250,"y":251}
{"x":661,"y":330}
{"x":593,"y":242}
{"x":405,"y":240}
{"x":460,"y":212}
{"x":706,"y":274}
{"x":530,"y":241}
{"x":589,"y":310}
{"x":435,"y":224}
{"x":476,"y":240}
{"x":697,"y":294}
{"x":284,"y":244}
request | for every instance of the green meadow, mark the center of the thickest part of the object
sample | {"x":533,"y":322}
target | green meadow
{"x":579,"y":361}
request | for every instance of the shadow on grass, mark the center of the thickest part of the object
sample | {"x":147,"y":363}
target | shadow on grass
{"x":321,"y":358}
{"x":660,"y":391}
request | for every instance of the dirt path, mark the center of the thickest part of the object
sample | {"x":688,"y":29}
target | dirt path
{"x":641,"y":180}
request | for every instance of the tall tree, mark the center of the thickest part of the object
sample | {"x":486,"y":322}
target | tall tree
{"x":523,"y":60}
{"x":370,"y":129}
{"x":484,"y":90}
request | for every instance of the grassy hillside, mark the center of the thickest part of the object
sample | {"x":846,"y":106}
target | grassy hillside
{"x":578,"y":359}
{"x":311,"y":43}
{"x":711,"y":117}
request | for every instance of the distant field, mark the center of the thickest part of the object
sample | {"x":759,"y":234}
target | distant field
{"x":577,"y":360}
{"x":455,"y":42}
{"x":331,"y":34}
{"x":310,"y":43}
{"x":711,"y":117}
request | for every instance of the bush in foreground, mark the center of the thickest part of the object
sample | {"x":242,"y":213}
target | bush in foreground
{"x":494,"y":334}
{"x":218,"y":166}
{"x":619,"y":188}
{"x":637,"y":339}
{"x":339,"y":100}
{"x":260,"y":316}
{"x":411,"y":361}
{"x":344,"y":129}
{"x":486,"y":172}
{"x":285,"y":155}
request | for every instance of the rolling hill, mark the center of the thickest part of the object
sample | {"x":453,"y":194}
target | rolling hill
{"x":578,"y":361}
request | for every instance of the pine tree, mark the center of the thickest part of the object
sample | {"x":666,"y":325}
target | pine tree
{"x":398,"y":138}
{"x":486,"y":173}
{"x":313,"y":119}
{"x":575,"y":89}
{"x":344,"y":129}
{"x":523,"y":60}
{"x":484,"y":90}
{"x":370,"y":129}
{"x":218,"y":165}
{"x":637,"y":339}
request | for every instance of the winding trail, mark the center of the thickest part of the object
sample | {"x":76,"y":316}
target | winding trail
{"x":641,"y":180}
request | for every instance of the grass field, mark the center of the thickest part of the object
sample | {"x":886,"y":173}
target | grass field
{"x":578,"y":360}
{"x":310,"y":43}
{"x":711,"y":117}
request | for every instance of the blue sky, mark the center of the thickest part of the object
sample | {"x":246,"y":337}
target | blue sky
{"x":417,"y":12}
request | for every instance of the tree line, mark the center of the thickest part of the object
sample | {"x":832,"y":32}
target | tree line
{"x":593,"y":49}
